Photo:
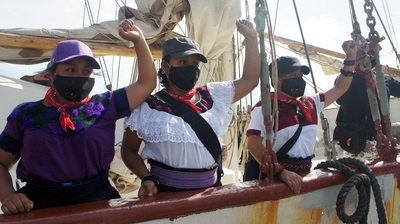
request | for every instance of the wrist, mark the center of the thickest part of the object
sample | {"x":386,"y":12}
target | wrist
{"x":347,"y":62}
{"x":6,"y":194}
{"x":278,"y":175}
{"x":347,"y":73}
{"x":155,"y":180}
{"x":250,"y":37}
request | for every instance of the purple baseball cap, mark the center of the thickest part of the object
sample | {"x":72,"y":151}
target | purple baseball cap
{"x":179,"y":47}
{"x":70,"y":49}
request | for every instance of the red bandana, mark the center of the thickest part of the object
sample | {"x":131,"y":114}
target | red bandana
{"x":303,"y":107}
{"x":185,"y":98}
{"x":64,"y":115}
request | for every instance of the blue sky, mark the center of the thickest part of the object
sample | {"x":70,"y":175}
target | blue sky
{"x":325,"y":23}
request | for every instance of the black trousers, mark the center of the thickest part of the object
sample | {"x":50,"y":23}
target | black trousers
{"x":52,"y":195}
{"x":252,"y":169}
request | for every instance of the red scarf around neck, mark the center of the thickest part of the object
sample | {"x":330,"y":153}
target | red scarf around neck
{"x":185,"y":98}
{"x":62,"y":108}
{"x":303,"y":107}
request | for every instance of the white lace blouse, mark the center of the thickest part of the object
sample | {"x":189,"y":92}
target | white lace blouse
{"x":170,"y":140}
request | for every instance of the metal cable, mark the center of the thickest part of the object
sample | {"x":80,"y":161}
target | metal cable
{"x":305,"y":46}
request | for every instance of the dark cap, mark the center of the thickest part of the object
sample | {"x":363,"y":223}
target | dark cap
{"x":288,"y":64}
{"x":70,"y":49}
{"x":179,"y":47}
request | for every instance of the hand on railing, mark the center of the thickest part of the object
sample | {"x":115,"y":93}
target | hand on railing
{"x":269,"y":163}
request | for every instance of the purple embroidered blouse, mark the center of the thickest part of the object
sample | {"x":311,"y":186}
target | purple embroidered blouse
{"x":47,"y":153}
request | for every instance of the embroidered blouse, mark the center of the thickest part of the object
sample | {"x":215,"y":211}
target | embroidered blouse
{"x":288,"y":124}
{"x":48,"y":153}
{"x":169,"y":139}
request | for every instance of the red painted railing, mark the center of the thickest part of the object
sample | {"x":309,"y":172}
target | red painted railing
{"x":172,"y":205}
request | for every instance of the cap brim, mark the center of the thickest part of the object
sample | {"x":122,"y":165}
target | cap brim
{"x":94,"y":63}
{"x":305,"y":69}
{"x":186,"y":53}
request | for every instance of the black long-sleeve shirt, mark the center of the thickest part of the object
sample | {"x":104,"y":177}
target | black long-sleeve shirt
{"x":354,"y":106}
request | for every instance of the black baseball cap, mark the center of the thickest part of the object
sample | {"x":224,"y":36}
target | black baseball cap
{"x":287,"y":65}
{"x":179,"y":47}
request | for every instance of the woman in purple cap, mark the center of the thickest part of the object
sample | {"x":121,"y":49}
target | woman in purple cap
{"x":179,"y":160}
{"x":65,"y":142}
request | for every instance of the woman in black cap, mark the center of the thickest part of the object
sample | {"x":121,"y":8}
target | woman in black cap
{"x":294,"y":110}
{"x":178,"y":157}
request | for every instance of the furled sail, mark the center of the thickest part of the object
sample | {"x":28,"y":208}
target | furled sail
{"x":212,"y":24}
{"x":156,"y":18}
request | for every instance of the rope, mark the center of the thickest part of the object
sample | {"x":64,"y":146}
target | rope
{"x":305,"y":46}
{"x":388,"y":36}
{"x":104,"y":70}
{"x":362,"y":181}
{"x":324,"y":123}
{"x":263,"y":20}
{"x":391,"y":28}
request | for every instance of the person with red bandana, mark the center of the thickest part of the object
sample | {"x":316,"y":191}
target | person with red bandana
{"x":294,"y":108}
{"x":65,"y":142}
{"x":177,"y":156}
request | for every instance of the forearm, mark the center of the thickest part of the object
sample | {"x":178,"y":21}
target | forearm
{"x":135,"y":163}
{"x":342,"y":83}
{"x":255,"y":147}
{"x":137,"y":166}
{"x":146,"y":82}
{"x":252,"y":63}
{"x":147,"y":71}
{"x":6,"y":186}
{"x":251,"y":69}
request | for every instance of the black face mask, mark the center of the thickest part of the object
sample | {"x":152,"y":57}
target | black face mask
{"x":184,"y":77}
{"x":294,"y":87}
{"x":73,"y":88}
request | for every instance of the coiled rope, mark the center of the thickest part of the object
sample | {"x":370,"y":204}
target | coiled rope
{"x":362,"y":181}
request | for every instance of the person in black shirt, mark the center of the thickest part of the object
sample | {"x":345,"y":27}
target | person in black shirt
{"x":355,"y":111}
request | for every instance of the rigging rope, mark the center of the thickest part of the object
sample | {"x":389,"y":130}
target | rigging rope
{"x":385,"y":144}
{"x":330,"y":150}
{"x":390,"y":40}
{"x":389,"y":21}
{"x":104,"y":70}
{"x":274,"y":71}
{"x":305,"y":46}
{"x":269,"y":164}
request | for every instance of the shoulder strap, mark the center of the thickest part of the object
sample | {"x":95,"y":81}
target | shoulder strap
{"x":289,"y":144}
{"x":203,"y":130}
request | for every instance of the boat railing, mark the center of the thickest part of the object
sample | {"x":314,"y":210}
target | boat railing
{"x":181,"y":205}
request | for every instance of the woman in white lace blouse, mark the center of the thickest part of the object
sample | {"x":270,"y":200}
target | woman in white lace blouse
{"x":178,"y":158}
